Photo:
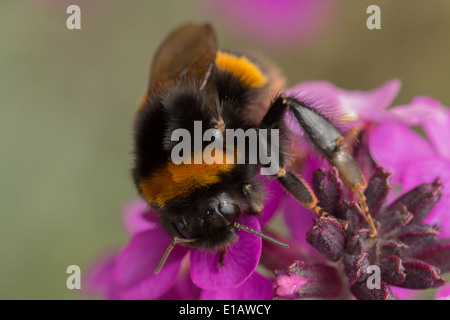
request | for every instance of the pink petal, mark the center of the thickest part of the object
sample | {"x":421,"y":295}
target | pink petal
{"x":394,"y":146}
{"x":134,"y":270}
{"x":411,"y":114}
{"x":256,"y":287}
{"x":443,"y":293}
{"x":274,"y":196}
{"x":349,"y":105}
{"x":437,"y":128}
{"x":240,"y":260}
{"x":298,"y":219}
{"x":273,"y":257}
{"x":324,"y":91}
{"x":405,"y":294}
{"x":426,"y":171}
{"x":100,"y":278}
{"x":138,"y":217}
{"x":377,"y":99}
{"x":183,"y":288}
{"x":385,"y":116}
{"x":426,"y":101}
{"x":282,"y":23}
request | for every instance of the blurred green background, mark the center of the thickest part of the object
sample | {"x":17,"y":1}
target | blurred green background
{"x":67,"y":101}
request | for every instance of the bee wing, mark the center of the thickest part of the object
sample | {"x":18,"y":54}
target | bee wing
{"x":190,"y":49}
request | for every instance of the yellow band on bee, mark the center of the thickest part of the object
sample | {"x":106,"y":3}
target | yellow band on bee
{"x":249,"y":73}
{"x":181,"y":180}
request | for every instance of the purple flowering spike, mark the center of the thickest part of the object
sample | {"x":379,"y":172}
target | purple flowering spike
{"x":427,"y":170}
{"x":355,"y":267}
{"x":257,"y":287}
{"x":361,"y":291}
{"x":418,"y":236}
{"x":351,"y":212}
{"x":356,"y":244}
{"x":394,"y":247}
{"x":419,"y":201}
{"x":240,"y":260}
{"x":377,"y":190}
{"x":135,"y":265}
{"x":302,"y":280}
{"x":327,"y":236}
{"x":395,"y":220}
{"x":328,"y":188}
{"x":402,"y":236}
{"x":437,"y":254}
{"x":392,"y":270}
{"x":420,"y":275}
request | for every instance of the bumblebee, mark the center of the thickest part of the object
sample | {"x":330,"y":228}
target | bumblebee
{"x":190,"y":81}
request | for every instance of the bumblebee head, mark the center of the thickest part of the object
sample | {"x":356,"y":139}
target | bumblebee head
{"x":208,"y":223}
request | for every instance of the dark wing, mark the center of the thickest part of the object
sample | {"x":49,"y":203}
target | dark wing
{"x":190,"y":49}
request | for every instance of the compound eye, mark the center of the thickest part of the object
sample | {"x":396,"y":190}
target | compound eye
{"x":181,"y":226}
{"x":229,"y":211}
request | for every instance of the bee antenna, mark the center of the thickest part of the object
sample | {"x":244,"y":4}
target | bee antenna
{"x":262,"y":235}
{"x":168,"y":250}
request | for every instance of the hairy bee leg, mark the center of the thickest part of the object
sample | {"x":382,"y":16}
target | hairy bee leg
{"x":169,"y":249}
{"x":351,"y":175}
{"x":303,"y":193}
{"x":329,"y":141}
{"x":223,"y":252}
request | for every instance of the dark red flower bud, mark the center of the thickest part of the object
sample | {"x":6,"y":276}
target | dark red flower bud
{"x":327,"y":236}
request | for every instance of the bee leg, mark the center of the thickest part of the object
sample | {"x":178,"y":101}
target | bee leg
{"x":330,"y":142}
{"x":223,"y":252}
{"x":303,"y":193}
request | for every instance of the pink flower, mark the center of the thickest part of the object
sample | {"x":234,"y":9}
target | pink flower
{"x":256,"y":287}
{"x":322,"y":261}
{"x":415,"y":159}
{"x":443,"y":293}
{"x":356,"y":107}
{"x":386,"y":140}
{"x":274,"y":23}
{"x":188,"y":273}
{"x":406,"y":250}
{"x":350,"y":110}
{"x":341,"y":106}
